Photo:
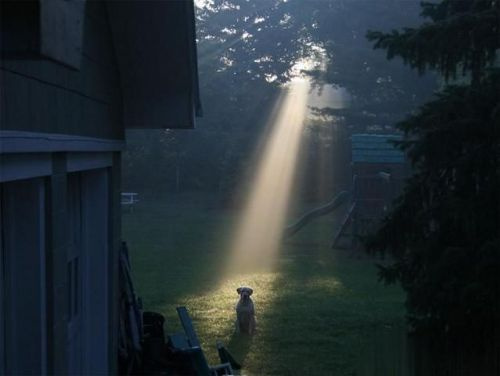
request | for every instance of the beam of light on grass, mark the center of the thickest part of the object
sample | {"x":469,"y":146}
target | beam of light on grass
{"x":259,"y":233}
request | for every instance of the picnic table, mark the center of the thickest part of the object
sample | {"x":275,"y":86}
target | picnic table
{"x":129,"y":199}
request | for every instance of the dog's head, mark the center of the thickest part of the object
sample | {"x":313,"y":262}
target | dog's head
{"x":244,"y":292}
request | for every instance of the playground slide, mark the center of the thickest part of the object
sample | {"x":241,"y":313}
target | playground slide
{"x":337,"y":201}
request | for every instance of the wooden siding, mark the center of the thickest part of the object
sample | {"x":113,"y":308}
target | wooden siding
{"x":156,"y":50}
{"x":48,"y":97}
{"x":61,"y":30}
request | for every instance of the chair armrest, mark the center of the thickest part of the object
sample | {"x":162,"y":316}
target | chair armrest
{"x":225,"y":366}
{"x":179,"y":342}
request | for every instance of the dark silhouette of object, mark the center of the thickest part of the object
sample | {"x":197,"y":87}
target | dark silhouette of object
{"x":337,"y":201}
{"x":186,"y":348}
{"x":130,"y":332}
{"x":226,"y":357}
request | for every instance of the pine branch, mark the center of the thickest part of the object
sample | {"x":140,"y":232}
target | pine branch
{"x":465,"y":42}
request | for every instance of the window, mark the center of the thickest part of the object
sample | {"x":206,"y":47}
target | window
{"x":22,"y":251}
{"x":79,"y":267}
{"x":87,"y":271}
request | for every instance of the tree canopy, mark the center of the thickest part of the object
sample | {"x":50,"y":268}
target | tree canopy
{"x":443,"y":232}
{"x":247,"y":50}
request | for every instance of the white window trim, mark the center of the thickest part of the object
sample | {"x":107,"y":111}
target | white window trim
{"x":33,"y":142}
{"x":88,"y":161}
{"x":43,"y":286}
{"x":24,"y":166}
{"x":33,"y":165}
{"x":95,"y":217}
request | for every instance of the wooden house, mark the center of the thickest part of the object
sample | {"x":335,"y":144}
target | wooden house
{"x":73,"y":76}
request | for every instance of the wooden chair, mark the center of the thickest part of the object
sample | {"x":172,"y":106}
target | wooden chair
{"x":188,"y":343}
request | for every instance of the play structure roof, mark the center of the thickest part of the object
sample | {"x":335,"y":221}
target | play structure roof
{"x":375,"y":148}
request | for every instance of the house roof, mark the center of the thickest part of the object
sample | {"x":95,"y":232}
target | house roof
{"x":375,"y":148}
{"x":155,"y":45}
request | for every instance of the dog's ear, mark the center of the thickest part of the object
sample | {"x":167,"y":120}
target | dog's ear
{"x":250,"y":291}
{"x":238,"y":290}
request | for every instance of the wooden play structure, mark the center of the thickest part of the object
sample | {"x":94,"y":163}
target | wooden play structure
{"x":378,"y":172}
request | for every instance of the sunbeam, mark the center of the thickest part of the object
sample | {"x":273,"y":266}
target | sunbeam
{"x":259,"y":233}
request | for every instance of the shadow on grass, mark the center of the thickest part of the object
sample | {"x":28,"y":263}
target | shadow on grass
{"x":325,"y":304}
{"x":312,"y":311}
{"x":295,"y":331}
{"x":240,"y":344}
{"x":176,"y":248}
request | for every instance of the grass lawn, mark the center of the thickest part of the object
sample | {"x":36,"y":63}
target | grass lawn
{"x":315,"y":313}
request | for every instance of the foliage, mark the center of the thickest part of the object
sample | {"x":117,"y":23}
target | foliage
{"x":246,"y":50}
{"x":462,"y":34}
{"x":443,"y":232}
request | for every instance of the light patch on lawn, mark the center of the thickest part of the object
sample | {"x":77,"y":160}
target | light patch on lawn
{"x":213,"y":311}
{"x":315,"y":312}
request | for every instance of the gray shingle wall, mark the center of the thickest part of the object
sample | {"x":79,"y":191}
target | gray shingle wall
{"x":45,"y":96}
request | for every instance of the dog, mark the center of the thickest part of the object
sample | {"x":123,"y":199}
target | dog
{"x":245,"y":312}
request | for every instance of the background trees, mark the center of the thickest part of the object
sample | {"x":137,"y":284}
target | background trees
{"x":443,"y":233}
{"x":246,"y":50}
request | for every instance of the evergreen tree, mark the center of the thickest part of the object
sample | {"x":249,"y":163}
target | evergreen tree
{"x":443,"y":232}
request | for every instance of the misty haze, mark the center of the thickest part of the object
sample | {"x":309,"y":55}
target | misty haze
{"x":250,"y":187}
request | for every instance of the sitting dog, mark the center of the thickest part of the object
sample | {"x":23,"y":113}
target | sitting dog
{"x":245,"y":312}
